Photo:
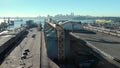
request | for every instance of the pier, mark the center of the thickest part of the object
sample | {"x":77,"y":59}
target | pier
{"x":56,"y":46}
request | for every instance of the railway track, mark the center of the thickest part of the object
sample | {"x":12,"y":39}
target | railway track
{"x":14,"y":58}
{"x":11,"y":46}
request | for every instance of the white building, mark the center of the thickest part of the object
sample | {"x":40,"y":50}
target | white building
{"x":71,"y":25}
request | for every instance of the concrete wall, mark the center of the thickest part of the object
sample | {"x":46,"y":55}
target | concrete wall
{"x":52,"y":48}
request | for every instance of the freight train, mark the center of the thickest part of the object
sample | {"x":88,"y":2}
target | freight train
{"x":10,"y":42}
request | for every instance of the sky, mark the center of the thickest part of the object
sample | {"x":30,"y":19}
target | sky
{"x":22,"y":8}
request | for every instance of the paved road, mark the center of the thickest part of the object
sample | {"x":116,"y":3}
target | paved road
{"x":36,"y":58}
{"x":33,"y":58}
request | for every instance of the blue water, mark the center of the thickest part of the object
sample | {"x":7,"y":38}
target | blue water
{"x":17,"y":24}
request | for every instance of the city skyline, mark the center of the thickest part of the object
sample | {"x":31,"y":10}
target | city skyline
{"x":33,"y":8}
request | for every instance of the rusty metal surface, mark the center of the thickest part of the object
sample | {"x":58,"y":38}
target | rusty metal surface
{"x":60,"y":34}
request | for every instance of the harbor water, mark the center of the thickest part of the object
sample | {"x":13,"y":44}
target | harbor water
{"x":17,"y":23}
